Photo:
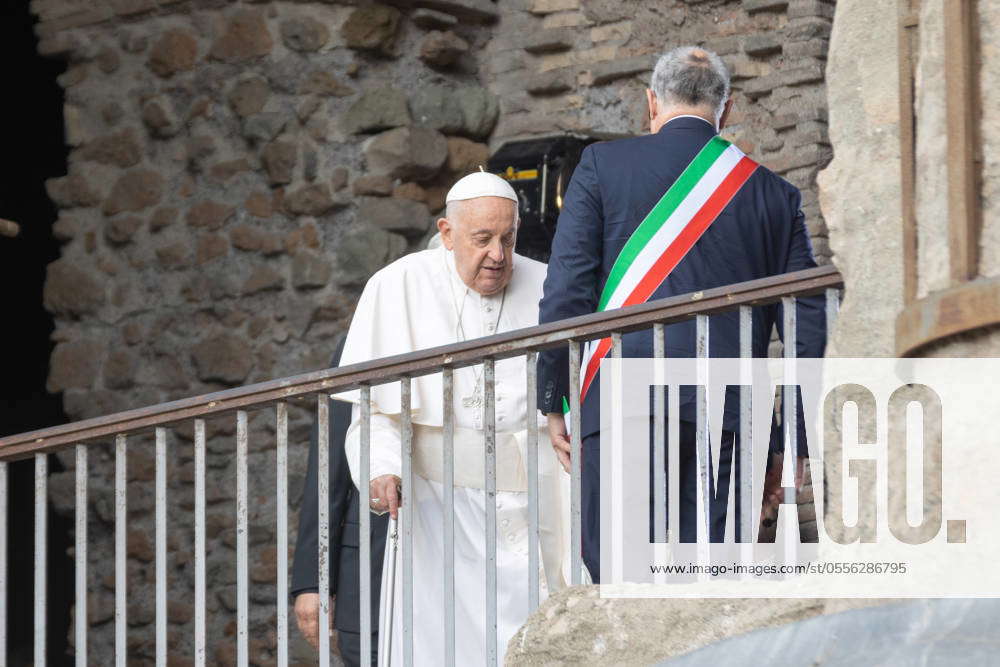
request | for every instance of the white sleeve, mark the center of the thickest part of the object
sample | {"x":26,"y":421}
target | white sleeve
{"x":385,"y":457}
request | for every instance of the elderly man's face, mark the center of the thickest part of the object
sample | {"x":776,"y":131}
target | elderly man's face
{"x":482,"y":236}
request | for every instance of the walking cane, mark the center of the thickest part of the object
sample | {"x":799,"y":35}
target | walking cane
{"x":388,"y":597}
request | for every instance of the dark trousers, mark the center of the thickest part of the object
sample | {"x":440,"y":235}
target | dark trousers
{"x":350,"y":647}
{"x":688,"y":459}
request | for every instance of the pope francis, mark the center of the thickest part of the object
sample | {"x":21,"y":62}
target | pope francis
{"x":472,"y":285}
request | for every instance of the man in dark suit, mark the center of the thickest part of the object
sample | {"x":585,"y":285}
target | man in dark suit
{"x":344,"y":561}
{"x":760,"y":232}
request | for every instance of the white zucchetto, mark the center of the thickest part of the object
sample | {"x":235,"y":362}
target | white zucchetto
{"x":481,"y":184}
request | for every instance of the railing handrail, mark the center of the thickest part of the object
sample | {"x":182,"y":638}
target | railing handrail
{"x":457,"y":355}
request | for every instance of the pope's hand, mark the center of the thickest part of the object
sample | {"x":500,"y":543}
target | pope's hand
{"x":386,"y":494}
{"x":307,"y":617}
{"x":560,"y":438}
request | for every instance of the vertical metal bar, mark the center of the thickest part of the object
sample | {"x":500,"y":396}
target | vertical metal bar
{"x":576,"y":542}
{"x":448,"y":468}
{"x":659,"y":438}
{"x":407,"y":523}
{"x":3,"y":562}
{"x":161,"y":547}
{"x":490,"y":427}
{"x":832,"y":310}
{"x":281,"y":499}
{"x":364,"y":526}
{"x":790,"y":409}
{"x":531,"y":424}
{"x":41,"y":559}
{"x":242,"y":596}
{"x":121,"y":553}
{"x":323,"y":519}
{"x":703,"y":438}
{"x":80,"y":555}
{"x":199,"y":543}
{"x":746,"y":424}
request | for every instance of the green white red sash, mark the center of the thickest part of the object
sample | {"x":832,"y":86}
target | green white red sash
{"x":666,"y":235}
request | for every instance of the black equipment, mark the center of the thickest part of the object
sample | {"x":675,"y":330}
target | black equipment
{"x":539,"y":171}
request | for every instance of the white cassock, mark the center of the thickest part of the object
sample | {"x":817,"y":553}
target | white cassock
{"x":413,"y":304}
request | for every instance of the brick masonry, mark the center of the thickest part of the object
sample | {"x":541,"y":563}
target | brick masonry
{"x":238,"y":170}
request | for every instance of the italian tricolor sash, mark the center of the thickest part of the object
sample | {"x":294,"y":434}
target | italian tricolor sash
{"x":667,"y":233}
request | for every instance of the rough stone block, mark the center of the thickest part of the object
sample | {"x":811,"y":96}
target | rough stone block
{"x":376,"y":110}
{"x":465,"y":156}
{"x":549,"y":41}
{"x":121,"y":149}
{"x":175,"y":51}
{"x":802,"y":8}
{"x":363,"y":250}
{"x":408,"y":153}
{"x":807,"y":28}
{"x":430,"y":19}
{"x":310,"y":271}
{"x":279,"y":159}
{"x":606,"y":72}
{"x":553,"y":82}
{"x":225,"y":358}
{"x":70,"y":290}
{"x":754,"y":6}
{"x":74,"y":364}
{"x":468,"y":10}
{"x":543,"y":7}
{"x":245,"y":38}
{"x":440,"y":49}
{"x":763,"y":44}
{"x":395,"y":215}
{"x":304,"y":33}
{"x":372,"y":27}
{"x":134,"y":191}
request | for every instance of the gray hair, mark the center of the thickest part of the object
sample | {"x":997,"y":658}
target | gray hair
{"x":691,"y":76}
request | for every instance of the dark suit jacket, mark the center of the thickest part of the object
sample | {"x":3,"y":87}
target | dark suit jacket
{"x":344,"y":563}
{"x":760,"y":233}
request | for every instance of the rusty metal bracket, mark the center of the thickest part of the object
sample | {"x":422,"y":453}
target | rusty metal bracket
{"x":961,"y":309}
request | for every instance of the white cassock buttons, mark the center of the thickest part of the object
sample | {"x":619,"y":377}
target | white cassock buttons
{"x":505,"y":523}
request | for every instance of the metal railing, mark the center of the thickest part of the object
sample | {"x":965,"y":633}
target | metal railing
{"x":277,"y":394}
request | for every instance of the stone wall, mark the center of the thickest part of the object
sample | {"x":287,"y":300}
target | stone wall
{"x":237,"y":172}
{"x":582,"y":65}
{"x":239,"y":169}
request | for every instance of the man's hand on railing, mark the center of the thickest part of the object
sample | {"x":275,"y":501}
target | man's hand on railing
{"x":560,"y":438}
{"x":307,"y":617}
{"x":774,"y":493}
{"x":386,"y":495}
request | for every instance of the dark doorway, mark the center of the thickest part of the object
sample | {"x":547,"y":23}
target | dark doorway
{"x":31,"y":133}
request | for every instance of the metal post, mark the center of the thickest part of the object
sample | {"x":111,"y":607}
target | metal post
{"x":659,"y":437}
{"x":576,"y":542}
{"x":790,"y":418}
{"x":746,"y":425}
{"x":703,"y":438}
{"x":199,"y":542}
{"x":364,"y":525}
{"x":3,"y":562}
{"x":407,"y":523}
{"x":531,"y":424}
{"x":281,"y":499}
{"x":41,"y":535}
{"x":242,"y":593}
{"x":490,"y":438}
{"x":161,"y":547}
{"x":323,"y":519}
{"x":448,"y":468}
{"x":121,"y":553}
{"x":80,"y":556}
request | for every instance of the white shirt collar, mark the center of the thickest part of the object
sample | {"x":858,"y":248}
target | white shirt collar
{"x":692,"y":116}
